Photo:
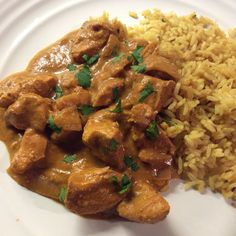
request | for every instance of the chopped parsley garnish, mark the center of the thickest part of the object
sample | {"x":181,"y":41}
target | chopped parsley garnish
{"x":84,"y":77}
{"x":91,"y":60}
{"x":152,"y":130}
{"x":71,"y":67}
{"x":125,"y":184}
{"x":115,"y":94}
{"x":139,"y":68}
{"x":52,"y":125}
{"x":69,"y":158}
{"x":58,"y":92}
{"x":118,"y":108}
{"x":113,"y":145}
{"x":86,"y":110}
{"x":117,"y":58}
{"x":130,"y":162}
{"x":136,"y":54}
{"x":62,"y":194}
{"x":129,"y":58}
{"x":122,"y":187}
{"x":148,"y":89}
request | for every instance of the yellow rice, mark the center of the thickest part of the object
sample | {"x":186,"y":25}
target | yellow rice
{"x":204,"y":104}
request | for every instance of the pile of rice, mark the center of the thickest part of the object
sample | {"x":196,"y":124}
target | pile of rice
{"x":204,"y":105}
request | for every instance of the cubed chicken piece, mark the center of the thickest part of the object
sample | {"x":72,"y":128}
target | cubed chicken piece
{"x":68,"y":119}
{"x":90,"y":39}
{"x":105,"y":139}
{"x":67,"y":82}
{"x":161,"y":67}
{"x":14,"y":85}
{"x":31,"y":153}
{"x":145,"y":205}
{"x":103,"y":95}
{"x":141,"y":115}
{"x":158,"y":152}
{"x":161,"y":92}
{"x":91,"y":191}
{"x":28,"y":111}
{"x":79,"y":97}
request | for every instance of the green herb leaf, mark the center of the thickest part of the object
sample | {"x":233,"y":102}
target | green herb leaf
{"x":52,"y":125}
{"x":118,"y":108}
{"x":58,"y":92}
{"x":71,"y":67}
{"x":139,"y":68}
{"x":84,"y":77}
{"x":130,"y":162}
{"x":129,"y":58}
{"x":86,"y":110}
{"x":69,"y":158}
{"x":125,"y":184}
{"x":148,"y":89}
{"x":62,"y":194}
{"x":114,"y":179}
{"x":117,"y":58}
{"x":152,"y":131}
{"x":136,"y":54}
{"x":122,"y":187}
{"x":115,"y":94}
{"x":113,"y":145}
{"x":91,"y":60}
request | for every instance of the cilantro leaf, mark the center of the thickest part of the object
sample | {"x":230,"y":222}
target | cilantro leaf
{"x":115,"y":94}
{"x":114,"y":52}
{"x":139,"y":68}
{"x":86,"y":110}
{"x":71,"y":67}
{"x":69,"y":158}
{"x":117,"y":58}
{"x":152,"y":131}
{"x":129,"y":162}
{"x":125,"y":184}
{"x":84,"y":77}
{"x":91,"y":60}
{"x":122,"y":187}
{"x":118,"y":108}
{"x":52,"y":125}
{"x":148,"y":89}
{"x":113,"y":145}
{"x":129,"y":58}
{"x":58,"y":92}
{"x":136,"y":54}
{"x":62,"y":194}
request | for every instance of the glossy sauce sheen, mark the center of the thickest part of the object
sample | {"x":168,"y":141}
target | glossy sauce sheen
{"x":48,"y":182}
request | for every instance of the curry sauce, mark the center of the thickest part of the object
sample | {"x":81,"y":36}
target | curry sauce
{"x":83,"y":119}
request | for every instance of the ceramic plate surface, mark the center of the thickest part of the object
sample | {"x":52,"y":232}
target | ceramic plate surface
{"x":26,"y":26}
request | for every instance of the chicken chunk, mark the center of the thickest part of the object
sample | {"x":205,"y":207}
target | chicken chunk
{"x":28,"y":111}
{"x":90,"y":191}
{"x":161,"y":67}
{"x":79,"y":97}
{"x":145,"y":205}
{"x":105,"y":139}
{"x":31,"y":153}
{"x":161,"y":91}
{"x":90,"y":39}
{"x":141,"y":115}
{"x":157,"y":152}
{"x":104,"y":94}
{"x":13,"y":86}
{"x":68,"y":119}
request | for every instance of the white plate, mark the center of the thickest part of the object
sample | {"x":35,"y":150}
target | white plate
{"x":28,"y":26}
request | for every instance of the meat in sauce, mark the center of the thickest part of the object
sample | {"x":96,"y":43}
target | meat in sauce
{"x":83,"y":129}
